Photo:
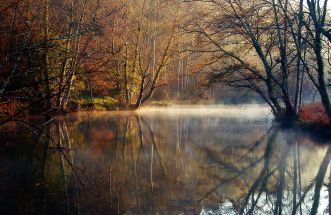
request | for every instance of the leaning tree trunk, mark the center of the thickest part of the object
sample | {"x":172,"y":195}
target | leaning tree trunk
{"x":321,"y":79}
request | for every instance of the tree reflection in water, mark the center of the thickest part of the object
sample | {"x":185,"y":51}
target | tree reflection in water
{"x":159,"y":164}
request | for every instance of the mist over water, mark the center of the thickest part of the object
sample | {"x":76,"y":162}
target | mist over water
{"x":167,"y":160}
{"x":247,"y":111}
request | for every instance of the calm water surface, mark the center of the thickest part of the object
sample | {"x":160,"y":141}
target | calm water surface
{"x":177,"y":160}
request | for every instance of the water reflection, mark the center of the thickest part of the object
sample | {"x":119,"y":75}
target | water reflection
{"x":129,"y":163}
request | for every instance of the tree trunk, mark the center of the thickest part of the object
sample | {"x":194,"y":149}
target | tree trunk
{"x":46,"y":55}
{"x":320,"y":70}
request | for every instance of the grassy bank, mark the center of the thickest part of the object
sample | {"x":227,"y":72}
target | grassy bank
{"x":95,"y":104}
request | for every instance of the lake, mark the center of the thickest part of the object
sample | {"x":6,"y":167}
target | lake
{"x":164,"y":160}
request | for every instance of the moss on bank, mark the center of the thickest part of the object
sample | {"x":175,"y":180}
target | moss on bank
{"x":97,"y":104}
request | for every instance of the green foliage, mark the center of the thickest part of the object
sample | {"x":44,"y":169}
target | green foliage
{"x":98,"y":104}
{"x":107,"y":102}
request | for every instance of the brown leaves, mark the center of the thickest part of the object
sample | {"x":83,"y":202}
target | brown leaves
{"x":314,"y":113}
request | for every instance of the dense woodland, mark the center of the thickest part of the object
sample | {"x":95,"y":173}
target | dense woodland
{"x":59,"y":56}
{"x":91,"y":56}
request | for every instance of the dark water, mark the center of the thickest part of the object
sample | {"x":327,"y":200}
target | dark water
{"x":188,"y":160}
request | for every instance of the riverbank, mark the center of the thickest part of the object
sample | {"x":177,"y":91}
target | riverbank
{"x":110,"y":104}
{"x":312,"y":117}
{"x":312,"y":120}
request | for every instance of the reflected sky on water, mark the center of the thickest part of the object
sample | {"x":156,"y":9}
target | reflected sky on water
{"x":170,"y":160}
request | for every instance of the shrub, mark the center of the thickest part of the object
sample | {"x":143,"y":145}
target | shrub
{"x":314,"y":113}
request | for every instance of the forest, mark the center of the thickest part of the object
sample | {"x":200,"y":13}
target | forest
{"x":206,"y":107}
{"x":59,"y":56}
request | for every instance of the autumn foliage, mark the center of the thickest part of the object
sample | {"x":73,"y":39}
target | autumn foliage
{"x":8,"y":108}
{"x":314,"y":113}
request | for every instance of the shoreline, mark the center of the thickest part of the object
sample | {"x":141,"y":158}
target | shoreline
{"x":316,"y":129}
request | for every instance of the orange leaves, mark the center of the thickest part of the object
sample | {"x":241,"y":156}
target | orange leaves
{"x":8,"y":108}
{"x":314,"y":113}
